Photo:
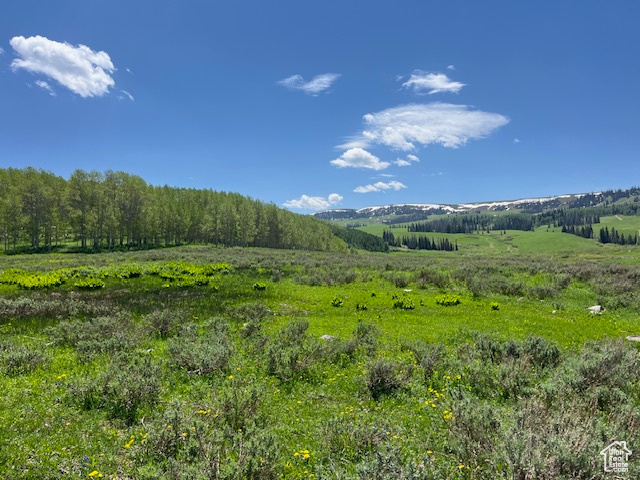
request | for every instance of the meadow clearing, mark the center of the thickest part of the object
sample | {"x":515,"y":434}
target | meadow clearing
{"x":204,"y":362}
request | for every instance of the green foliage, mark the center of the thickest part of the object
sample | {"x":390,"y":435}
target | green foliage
{"x":359,"y":239}
{"x":89,"y":284}
{"x":337,"y":302}
{"x":386,"y":376}
{"x":220,"y":441}
{"x":448,"y":299}
{"x":259,"y":286}
{"x":164,"y":323}
{"x":494,"y":306}
{"x":256,"y":394}
{"x":128,"y":384}
{"x":403,"y":303}
{"x":202,"y":354}
{"x":108,"y":334}
{"x":291,"y":353}
{"x":40,"y":281}
{"x":19,"y":360}
{"x":428,"y":356}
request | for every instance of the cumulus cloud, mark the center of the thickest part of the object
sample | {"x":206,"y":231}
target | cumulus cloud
{"x":380,"y":186}
{"x":359,"y":158}
{"x":45,"y":86}
{"x":334,"y":198}
{"x":1,"y":50}
{"x":78,"y":68}
{"x":401,"y":162}
{"x":451,"y":67}
{"x":317,"y":84}
{"x":306,"y":202}
{"x":423,"y":82}
{"x":404,"y":127}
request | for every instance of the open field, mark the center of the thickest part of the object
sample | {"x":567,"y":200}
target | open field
{"x":544,"y":240}
{"x":201,"y":362}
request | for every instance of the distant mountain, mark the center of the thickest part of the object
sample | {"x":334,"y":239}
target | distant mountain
{"x":419,"y":211}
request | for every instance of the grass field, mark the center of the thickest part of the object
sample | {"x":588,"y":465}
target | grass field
{"x":544,"y":240}
{"x":200,"y":362}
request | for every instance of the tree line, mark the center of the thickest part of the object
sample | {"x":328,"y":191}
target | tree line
{"x":419,"y":242}
{"x":112,"y":210}
{"x":469,"y":223}
{"x":613,"y":236}
{"x":604,"y":235}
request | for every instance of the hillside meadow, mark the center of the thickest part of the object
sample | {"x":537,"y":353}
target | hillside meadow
{"x":201,"y":362}
{"x":543,"y":240}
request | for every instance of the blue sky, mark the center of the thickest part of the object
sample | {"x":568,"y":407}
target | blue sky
{"x":315,"y":105}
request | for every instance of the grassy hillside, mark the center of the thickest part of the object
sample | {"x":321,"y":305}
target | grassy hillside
{"x":543,"y":240}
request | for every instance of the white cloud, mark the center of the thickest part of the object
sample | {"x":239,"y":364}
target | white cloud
{"x":451,"y":67}
{"x":1,"y":51}
{"x":380,"y":186}
{"x":79,"y":69}
{"x":452,"y":126}
{"x":126,"y":95}
{"x":516,"y":140}
{"x":316,"y":85}
{"x":306,"y":202}
{"x":401,"y":162}
{"x":45,"y":86}
{"x":334,"y":198}
{"x":431,"y":83}
{"x":359,"y":158}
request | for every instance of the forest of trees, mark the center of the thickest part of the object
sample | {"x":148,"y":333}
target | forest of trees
{"x":419,"y":242}
{"x":359,"y":239}
{"x":585,"y":231}
{"x":39,"y":210}
{"x":613,"y":236}
{"x":469,"y":223}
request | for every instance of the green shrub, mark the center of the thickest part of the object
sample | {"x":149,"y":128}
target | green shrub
{"x":89,"y":284}
{"x":204,"y":354}
{"x":403,"y":303}
{"x":448,"y":299}
{"x":365,"y":338}
{"x":432,"y":277}
{"x":259,"y":286}
{"x":193,"y":443}
{"x":52,"y":307}
{"x":129,"y":383}
{"x":19,"y":360}
{"x":494,"y":306}
{"x":292,"y":352}
{"x":427,"y":355}
{"x":399,"y":280}
{"x":40,"y":281}
{"x":542,"y":353}
{"x":386,"y":376}
{"x":164,"y":323}
{"x":107,"y":334}
{"x":337,"y":302}
{"x":353,"y":437}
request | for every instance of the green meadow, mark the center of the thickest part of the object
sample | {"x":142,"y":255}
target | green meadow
{"x":201,"y":362}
